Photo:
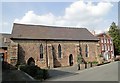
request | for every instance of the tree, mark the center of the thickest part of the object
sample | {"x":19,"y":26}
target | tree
{"x":115,"y":34}
{"x":79,"y":60}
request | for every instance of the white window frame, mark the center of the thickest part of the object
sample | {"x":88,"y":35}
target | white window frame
{"x":101,"y":40}
{"x":108,"y":47}
{"x":102,"y":45}
{"x":104,"y":40}
{"x":110,"y":41}
{"x":111,"y":47}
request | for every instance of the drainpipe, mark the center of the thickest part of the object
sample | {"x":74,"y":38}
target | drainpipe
{"x":46,"y":55}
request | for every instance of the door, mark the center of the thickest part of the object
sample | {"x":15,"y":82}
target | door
{"x":71,"y":60}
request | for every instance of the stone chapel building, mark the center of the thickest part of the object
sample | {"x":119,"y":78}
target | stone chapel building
{"x":51,"y":46}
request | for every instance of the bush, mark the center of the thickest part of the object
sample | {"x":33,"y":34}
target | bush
{"x":45,"y":74}
{"x":100,"y":55}
{"x":7,"y":66}
{"x":95,"y":62}
{"x":35,"y":71}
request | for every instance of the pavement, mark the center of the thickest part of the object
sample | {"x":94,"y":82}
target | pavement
{"x":107,"y":72}
{"x":62,"y":72}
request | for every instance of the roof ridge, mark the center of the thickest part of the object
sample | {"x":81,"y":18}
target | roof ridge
{"x":51,"y":26}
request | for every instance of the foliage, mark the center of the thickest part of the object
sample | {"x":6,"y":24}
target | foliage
{"x":7,"y":66}
{"x":79,"y":59}
{"x":35,"y":71}
{"x":93,"y":62}
{"x":100,"y":55}
{"x":115,"y":34}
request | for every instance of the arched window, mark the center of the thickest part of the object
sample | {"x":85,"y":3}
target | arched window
{"x":59,"y":51}
{"x":41,"y":51}
{"x":86,"y":50}
{"x":53,"y":51}
{"x":80,"y":50}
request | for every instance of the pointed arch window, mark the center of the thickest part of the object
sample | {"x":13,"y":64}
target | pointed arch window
{"x":86,"y":50}
{"x":53,"y":52}
{"x":80,"y":50}
{"x":59,"y":51}
{"x":41,"y":51}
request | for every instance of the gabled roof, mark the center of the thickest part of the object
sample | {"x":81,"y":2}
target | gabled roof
{"x":26,"y":31}
{"x":2,"y":36}
{"x":104,"y":34}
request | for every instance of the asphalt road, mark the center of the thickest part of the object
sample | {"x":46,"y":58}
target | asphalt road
{"x":107,"y":72}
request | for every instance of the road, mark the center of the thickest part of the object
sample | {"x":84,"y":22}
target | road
{"x":107,"y":72}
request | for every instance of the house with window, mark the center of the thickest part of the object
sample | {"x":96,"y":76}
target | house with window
{"x":106,"y":46}
{"x":51,"y":46}
{"x":3,"y":48}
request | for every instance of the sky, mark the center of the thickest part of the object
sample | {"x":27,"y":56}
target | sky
{"x":95,"y":16}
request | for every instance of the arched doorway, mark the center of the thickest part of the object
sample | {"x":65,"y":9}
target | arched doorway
{"x":71,"y":60}
{"x":31,"y":61}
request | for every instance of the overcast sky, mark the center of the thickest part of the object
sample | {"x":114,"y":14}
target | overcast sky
{"x":92,"y":15}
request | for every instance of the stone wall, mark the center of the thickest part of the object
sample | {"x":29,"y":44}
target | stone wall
{"x":12,"y":53}
{"x":31,"y":48}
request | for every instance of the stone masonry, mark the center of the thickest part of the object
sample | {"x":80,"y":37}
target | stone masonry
{"x":31,"y":48}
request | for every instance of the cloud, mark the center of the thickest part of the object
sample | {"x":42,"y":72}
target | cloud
{"x":78,"y":14}
{"x":31,"y":18}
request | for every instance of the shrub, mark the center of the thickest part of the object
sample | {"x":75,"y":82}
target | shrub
{"x":100,"y":55}
{"x":45,"y":74}
{"x":35,"y":71}
{"x":95,"y":62}
{"x":7,"y":66}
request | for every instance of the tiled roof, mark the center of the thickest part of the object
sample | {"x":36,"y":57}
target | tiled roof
{"x":26,"y":31}
{"x":103,"y":34}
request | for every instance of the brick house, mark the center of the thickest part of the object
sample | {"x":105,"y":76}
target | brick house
{"x":51,"y":46}
{"x":106,"y":46}
{"x":3,"y":49}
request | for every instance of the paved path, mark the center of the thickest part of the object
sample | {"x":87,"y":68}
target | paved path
{"x":107,"y":72}
{"x":62,"y":71}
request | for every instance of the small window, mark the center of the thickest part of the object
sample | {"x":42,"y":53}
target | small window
{"x":53,"y":51}
{"x":59,"y":51}
{"x":111,"y":48}
{"x":101,"y":40}
{"x":104,"y":40}
{"x":5,"y":40}
{"x":102,"y":46}
{"x":107,"y":40}
{"x":110,"y":41}
{"x":105,"y":47}
{"x":86,"y":50}
{"x":41,"y":51}
{"x":80,"y":50}
{"x":108,"y":47}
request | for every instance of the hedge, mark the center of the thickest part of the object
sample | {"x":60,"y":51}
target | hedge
{"x":35,"y":71}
